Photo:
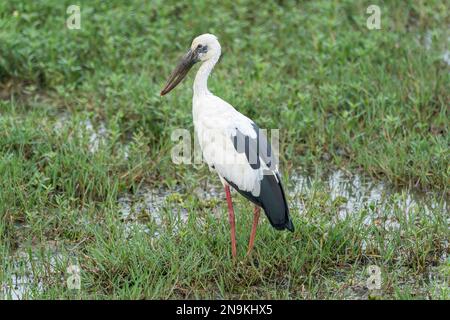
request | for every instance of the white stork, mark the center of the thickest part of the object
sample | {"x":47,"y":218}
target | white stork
{"x":232,"y":144}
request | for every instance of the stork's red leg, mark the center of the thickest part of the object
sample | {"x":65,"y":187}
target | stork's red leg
{"x":255,"y":224}
{"x":232,"y":221}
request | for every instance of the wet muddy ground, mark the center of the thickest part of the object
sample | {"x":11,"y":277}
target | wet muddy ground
{"x":151,"y":210}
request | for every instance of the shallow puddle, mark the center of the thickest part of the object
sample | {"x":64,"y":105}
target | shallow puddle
{"x":349,"y":193}
{"x":29,"y":271}
{"x":85,"y":128}
{"x":152,"y":210}
{"x":149,"y":205}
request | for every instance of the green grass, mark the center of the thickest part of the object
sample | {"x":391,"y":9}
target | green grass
{"x":342,"y":96}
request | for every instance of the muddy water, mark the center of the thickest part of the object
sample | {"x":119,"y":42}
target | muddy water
{"x":352,"y":192}
{"x":356,"y":192}
{"x":158,"y":207}
{"x":349,"y":194}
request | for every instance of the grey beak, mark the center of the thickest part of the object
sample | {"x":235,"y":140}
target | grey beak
{"x":180,"y":71}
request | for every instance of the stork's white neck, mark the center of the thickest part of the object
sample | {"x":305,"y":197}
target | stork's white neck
{"x":201,"y":79}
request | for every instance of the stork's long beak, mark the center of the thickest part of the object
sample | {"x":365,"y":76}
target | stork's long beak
{"x":181,"y":71}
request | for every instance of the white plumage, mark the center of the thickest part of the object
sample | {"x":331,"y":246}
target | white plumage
{"x":216,"y":123}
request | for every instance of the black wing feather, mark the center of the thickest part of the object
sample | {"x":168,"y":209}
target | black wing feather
{"x":272,"y":197}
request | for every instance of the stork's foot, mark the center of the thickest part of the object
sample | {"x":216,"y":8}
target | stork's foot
{"x":251,"y":242}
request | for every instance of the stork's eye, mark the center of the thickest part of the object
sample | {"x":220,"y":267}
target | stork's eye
{"x":202,"y":49}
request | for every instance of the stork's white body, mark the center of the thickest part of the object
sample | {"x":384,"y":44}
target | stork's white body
{"x":216,"y":122}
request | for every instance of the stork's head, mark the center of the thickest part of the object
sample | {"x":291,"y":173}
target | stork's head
{"x":206,"y":46}
{"x":203,"y":48}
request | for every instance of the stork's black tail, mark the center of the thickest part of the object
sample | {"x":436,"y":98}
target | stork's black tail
{"x":273,"y":200}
